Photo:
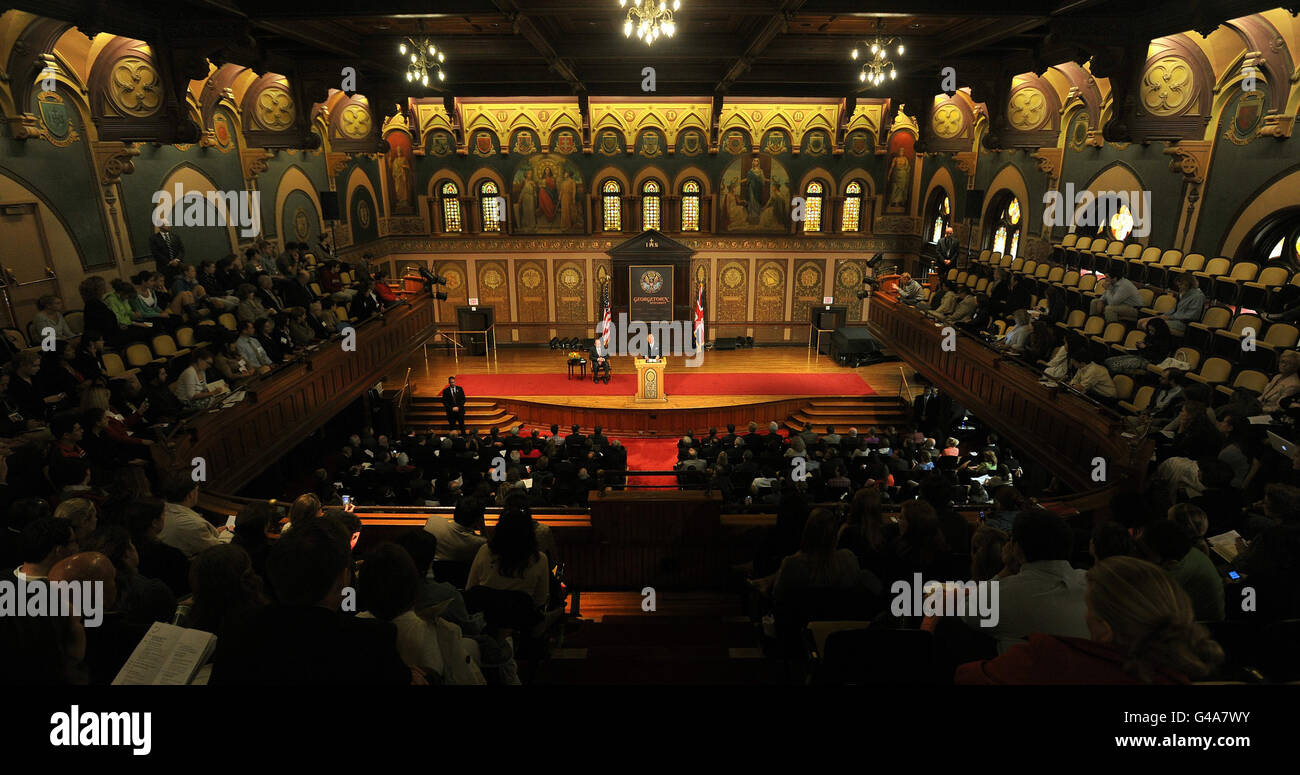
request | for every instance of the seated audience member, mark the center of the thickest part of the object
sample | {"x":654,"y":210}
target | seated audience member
{"x":225,"y":588}
{"x":1173,"y":547}
{"x":276,"y":341}
{"x":300,"y":330}
{"x":230,"y":363}
{"x":191,"y":387}
{"x":323,"y":322}
{"x":144,"y":520}
{"x":265,"y":293}
{"x":184,"y":528}
{"x":817,"y":563}
{"x":1190,"y":306}
{"x":147,"y":302}
{"x":331,"y":282}
{"x":1040,"y":342}
{"x":365,"y":304}
{"x":121,"y":301}
{"x":110,"y":643}
{"x":1119,"y":300}
{"x":388,"y":586}
{"x":1091,"y":377}
{"x":304,"y":638}
{"x":1041,"y":593}
{"x":460,"y":538}
{"x":920,"y":546}
{"x":251,"y":349}
{"x":298,"y":293}
{"x":382,"y":290}
{"x":140,"y":599}
{"x":986,"y":548}
{"x":1111,"y":539}
{"x":1017,"y":336}
{"x":510,"y":560}
{"x":164,"y":406}
{"x":1141,"y":629}
{"x":1151,"y":351}
{"x":67,"y":463}
{"x":250,"y":306}
{"x":43,"y":542}
{"x":49,"y":315}
{"x":1283,"y":385}
{"x":25,"y":390}
{"x":98,"y":317}
{"x":1268,"y":562}
{"x":909,"y":290}
{"x":436,"y":597}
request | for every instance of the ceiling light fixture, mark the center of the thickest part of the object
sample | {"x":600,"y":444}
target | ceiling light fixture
{"x":877,"y":66}
{"x":424,"y":59}
{"x":650,"y":19}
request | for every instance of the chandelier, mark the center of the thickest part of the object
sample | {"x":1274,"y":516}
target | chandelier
{"x":877,"y":66}
{"x":649,"y":19}
{"x":423,"y":58}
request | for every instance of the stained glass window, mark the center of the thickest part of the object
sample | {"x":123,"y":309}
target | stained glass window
{"x":612,"y":196}
{"x":852,"y":220}
{"x":450,"y":207}
{"x":941,"y":214}
{"x":650,"y":201}
{"x":812,"y":208}
{"x":1006,"y":235}
{"x":691,"y":206}
{"x":1121,"y":223}
{"x":490,"y":206}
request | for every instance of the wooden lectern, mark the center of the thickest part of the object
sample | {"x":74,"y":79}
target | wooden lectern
{"x":650,"y":381}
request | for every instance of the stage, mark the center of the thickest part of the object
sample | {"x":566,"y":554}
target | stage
{"x":787,"y":385}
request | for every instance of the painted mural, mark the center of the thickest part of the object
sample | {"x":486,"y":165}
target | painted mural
{"x":755,"y":195}
{"x":547,"y":194}
{"x":400,"y":166}
{"x":898,"y":176}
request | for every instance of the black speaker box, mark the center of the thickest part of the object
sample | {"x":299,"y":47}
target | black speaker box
{"x":329,"y":205}
{"x":974,"y":204}
{"x":725,"y":343}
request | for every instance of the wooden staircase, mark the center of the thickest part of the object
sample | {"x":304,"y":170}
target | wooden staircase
{"x":426,"y":415}
{"x":860,"y":412}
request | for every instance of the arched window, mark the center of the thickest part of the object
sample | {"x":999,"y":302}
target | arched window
{"x":691,"y":205}
{"x":852,"y":220}
{"x":650,"y":201}
{"x":812,"y":207}
{"x":1121,"y":223}
{"x":450,"y":206}
{"x":1006,"y":226}
{"x":938,"y":214}
{"x":1276,"y":239}
{"x":612,"y":196}
{"x":490,"y":206}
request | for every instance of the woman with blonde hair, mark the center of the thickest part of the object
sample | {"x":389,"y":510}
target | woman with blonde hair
{"x":1142,"y":628}
{"x":119,"y":425}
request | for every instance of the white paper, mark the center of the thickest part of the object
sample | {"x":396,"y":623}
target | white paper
{"x":167,"y":656}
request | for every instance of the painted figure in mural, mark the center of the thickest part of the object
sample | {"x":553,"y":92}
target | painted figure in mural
{"x":756,"y":193}
{"x":900,"y":176}
{"x":528,"y":203}
{"x":548,"y":196}
{"x":568,"y":200}
{"x":736,"y":210}
{"x":400,"y":167}
{"x":776,"y":215}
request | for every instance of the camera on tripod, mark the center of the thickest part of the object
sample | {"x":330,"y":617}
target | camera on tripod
{"x":430,"y":280}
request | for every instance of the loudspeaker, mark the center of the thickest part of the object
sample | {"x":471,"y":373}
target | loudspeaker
{"x":974,"y":204}
{"x":329,"y":205}
{"x":725,"y":343}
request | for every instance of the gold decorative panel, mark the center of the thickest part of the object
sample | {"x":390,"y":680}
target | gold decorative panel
{"x":355,"y":121}
{"x":808,"y":279}
{"x":769,"y":291}
{"x":1168,"y":86}
{"x":733,"y":291}
{"x":275,"y":109}
{"x":136,"y":87}
{"x":457,"y":289}
{"x":948,"y":121}
{"x":1027,"y":109}
{"x":570,"y":293}
{"x":494,"y":288}
{"x":848,"y":281}
{"x":530,"y":292}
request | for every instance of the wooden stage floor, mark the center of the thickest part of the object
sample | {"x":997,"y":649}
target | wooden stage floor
{"x":429,"y":375}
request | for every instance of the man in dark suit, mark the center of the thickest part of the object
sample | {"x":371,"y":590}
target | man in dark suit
{"x":453,"y":400}
{"x":949,"y":248}
{"x":575,"y":441}
{"x":168,"y":252}
{"x":298,"y":293}
{"x":309,"y":568}
{"x":599,"y":363}
{"x":364,"y":304}
{"x":652,"y":351}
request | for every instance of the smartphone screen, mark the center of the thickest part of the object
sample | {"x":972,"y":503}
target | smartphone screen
{"x":230,"y":523}
{"x":347,"y":500}
{"x":1232,"y":574}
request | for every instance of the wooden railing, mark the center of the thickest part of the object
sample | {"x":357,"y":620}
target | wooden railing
{"x":1066,"y":432}
{"x":284,"y":407}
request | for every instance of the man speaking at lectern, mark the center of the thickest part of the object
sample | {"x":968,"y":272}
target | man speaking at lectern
{"x":651,"y":348}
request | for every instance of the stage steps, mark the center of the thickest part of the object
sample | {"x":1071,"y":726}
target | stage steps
{"x":844,"y":413}
{"x":426,"y":415}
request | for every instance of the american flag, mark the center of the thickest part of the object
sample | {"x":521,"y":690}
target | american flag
{"x":699,"y":319}
{"x":606,"y":321}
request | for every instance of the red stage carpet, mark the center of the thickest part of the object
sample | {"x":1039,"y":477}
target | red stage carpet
{"x":844,"y":384}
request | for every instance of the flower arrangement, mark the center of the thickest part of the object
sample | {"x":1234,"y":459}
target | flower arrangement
{"x":576,"y":355}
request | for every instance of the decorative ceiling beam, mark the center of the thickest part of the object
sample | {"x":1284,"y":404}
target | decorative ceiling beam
{"x":776,"y":24}
{"x":524,"y":26}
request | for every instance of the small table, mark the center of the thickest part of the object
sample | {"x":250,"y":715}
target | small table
{"x":581,"y":365}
